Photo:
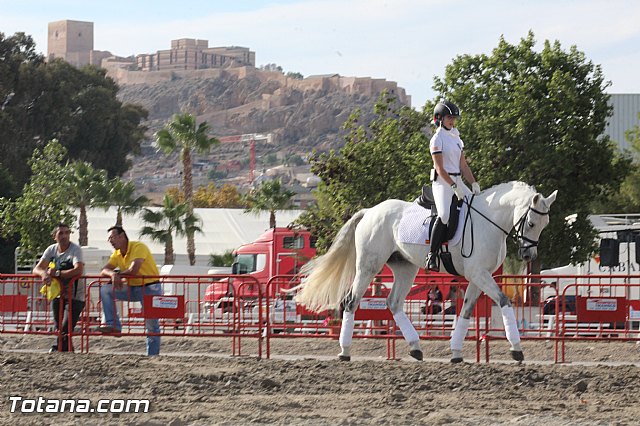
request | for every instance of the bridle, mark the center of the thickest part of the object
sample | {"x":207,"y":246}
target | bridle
{"x":518,"y":237}
{"x":520,"y":229}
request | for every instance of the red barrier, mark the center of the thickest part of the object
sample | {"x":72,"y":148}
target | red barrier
{"x":13,"y":303}
{"x":24,"y":310}
{"x":554,"y":308}
{"x":183,"y":310}
{"x":156,"y":307}
{"x":433,"y":319}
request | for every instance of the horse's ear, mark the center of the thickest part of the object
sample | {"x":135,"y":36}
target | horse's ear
{"x":551,"y":198}
{"x":535,"y":199}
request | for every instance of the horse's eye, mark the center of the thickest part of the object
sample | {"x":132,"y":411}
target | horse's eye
{"x":531,"y":224}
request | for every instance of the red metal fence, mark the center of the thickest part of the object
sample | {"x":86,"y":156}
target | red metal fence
{"x":558,"y":309}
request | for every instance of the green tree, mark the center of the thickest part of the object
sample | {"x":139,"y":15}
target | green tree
{"x":385,"y":158}
{"x":293,"y":160}
{"x":116,"y":192}
{"x":162,"y":224}
{"x":44,"y":202}
{"x":539,"y":117}
{"x":628,"y":199}
{"x":79,"y":107}
{"x":269,"y":196}
{"x":18,"y":59}
{"x":83,"y":181}
{"x":295,"y":75}
{"x":225,"y":259}
{"x":183,"y":133}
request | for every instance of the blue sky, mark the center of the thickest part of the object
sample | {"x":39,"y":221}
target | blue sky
{"x":408,"y":41}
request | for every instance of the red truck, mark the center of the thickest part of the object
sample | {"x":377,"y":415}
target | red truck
{"x":279,"y":251}
{"x":283,"y":251}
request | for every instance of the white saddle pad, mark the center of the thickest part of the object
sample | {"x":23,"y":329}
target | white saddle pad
{"x":414,"y":225}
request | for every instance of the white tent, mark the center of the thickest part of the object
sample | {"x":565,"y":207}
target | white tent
{"x":223,"y":230}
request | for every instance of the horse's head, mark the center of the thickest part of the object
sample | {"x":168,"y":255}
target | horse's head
{"x":531,"y":223}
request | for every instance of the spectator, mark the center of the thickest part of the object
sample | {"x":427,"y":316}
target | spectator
{"x":434,"y":304}
{"x":132,"y":261}
{"x":65,"y":259}
{"x":455,"y":296}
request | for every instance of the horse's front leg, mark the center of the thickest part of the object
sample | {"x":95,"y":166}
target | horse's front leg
{"x":487,"y":284}
{"x":462,"y":322}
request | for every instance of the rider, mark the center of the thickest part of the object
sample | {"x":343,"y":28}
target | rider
{"x":449,"y":162}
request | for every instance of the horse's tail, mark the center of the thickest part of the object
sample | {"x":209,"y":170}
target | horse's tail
{"x":329,"y":277}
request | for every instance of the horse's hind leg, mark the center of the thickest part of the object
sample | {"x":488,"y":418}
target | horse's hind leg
{"x":462,"y":322}
{"x":404,"y":274}
{"x":360,"y":284}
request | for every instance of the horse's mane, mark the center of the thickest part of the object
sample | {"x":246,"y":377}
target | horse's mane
{"x":508,"y":192}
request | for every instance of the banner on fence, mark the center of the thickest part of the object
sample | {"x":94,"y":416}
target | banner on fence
{"x":601,"y":309}
{"x":163,"y":306}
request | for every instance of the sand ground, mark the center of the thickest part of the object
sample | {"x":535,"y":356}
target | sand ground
{"x":196,"y":381}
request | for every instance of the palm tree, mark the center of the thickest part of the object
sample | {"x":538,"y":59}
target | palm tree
{"x":269,"y":196}
{"x":84,"y":183}
{"x":121,"y":194}
{"x":181,"y":132}
{"x":162,"y":224}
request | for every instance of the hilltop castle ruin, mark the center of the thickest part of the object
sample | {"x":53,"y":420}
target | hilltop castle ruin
{"x":73,"y":42}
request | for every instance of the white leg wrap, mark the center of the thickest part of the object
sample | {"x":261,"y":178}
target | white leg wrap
{"x":404,"y":324}
{"x":346,"y":331}
{"x":511,"y":327}
{"x":459,"y":333}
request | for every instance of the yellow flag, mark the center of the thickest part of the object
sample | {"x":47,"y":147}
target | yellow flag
{"x":52,"y":290}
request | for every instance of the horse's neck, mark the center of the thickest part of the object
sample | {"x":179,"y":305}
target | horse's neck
{"x":506,"y":207}
{"x":503,"y":217}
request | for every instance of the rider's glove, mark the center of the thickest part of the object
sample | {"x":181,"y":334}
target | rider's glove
{"x":475,"y":188}
{"x":459,"y":192}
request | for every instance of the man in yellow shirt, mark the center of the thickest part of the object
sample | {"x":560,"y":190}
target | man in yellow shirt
{"x":131,"y":260}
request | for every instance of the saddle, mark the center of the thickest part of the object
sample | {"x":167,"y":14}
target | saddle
{"x":426,"y":200}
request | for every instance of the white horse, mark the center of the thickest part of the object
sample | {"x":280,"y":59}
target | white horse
{"x":370,"y":239}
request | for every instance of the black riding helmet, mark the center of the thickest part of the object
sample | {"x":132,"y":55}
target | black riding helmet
{"x":444,"y":108}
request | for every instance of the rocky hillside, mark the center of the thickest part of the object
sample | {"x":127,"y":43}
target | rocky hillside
{"x":306,"y":113}
{"x":301,"y":114}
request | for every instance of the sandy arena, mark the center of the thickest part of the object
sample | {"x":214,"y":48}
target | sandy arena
{"x":196,"y":382}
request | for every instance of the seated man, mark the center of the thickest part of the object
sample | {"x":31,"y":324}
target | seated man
{"x":130,"y":259}
{"x":67,"y":258}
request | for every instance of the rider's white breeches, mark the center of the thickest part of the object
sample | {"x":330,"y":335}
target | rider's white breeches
{"x":442,"y":194}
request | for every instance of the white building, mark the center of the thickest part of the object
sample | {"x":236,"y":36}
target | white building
{"x":223,"y":230}
{"x":626,"y":107}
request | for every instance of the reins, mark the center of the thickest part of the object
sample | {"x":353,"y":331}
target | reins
{"x":519,"y":227}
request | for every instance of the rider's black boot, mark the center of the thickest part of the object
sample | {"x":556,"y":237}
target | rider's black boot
{"x":437,"y":237}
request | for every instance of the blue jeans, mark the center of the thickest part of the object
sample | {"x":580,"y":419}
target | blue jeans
{"x":109,"y":295}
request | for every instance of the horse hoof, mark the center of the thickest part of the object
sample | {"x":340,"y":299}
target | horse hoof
{"x":344,"y":358}
{"x":517,"y":356}
{"x":456,"y":360}
{"x":416,"y":354}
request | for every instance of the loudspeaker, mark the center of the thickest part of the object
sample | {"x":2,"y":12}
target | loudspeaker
{"x":609,"y":252}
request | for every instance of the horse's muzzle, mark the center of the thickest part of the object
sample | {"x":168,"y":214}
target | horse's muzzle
{"x":528,"y":254}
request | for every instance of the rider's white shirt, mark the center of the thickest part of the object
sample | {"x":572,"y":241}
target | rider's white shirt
{"x":448,"y":142}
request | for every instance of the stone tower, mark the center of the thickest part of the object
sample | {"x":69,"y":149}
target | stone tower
{"x":71,"y":41}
